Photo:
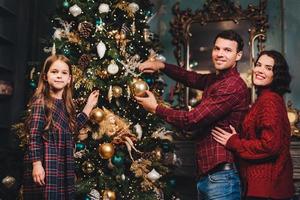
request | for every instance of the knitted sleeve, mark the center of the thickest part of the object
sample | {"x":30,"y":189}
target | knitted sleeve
{"x":269,"y":132}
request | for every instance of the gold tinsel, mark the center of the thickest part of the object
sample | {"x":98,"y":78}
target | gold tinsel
{"x":77,"y":73}
{"x":86,"y":83}
{"x":80,"y":80}
{"x":22,"y":134}
{"x":122,"y":5}
{"x":140,"y":169}
{"x":102,"y":73}
{"x":73,"y":38}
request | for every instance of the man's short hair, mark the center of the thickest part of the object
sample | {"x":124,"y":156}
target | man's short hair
{"x":231,"y":35}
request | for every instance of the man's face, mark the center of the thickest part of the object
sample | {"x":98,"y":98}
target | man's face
{"x":225,"y":54}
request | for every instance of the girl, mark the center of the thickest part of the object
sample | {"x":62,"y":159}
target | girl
{"x":49,"y":164}
{"x":264,"y":143}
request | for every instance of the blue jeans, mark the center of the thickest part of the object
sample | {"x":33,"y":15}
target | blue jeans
{"x":221,"y":185}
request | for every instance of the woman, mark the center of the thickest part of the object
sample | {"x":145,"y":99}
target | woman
{"x":263,"y":145}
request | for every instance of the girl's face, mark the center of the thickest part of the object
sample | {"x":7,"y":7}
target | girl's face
{"x":263,"y":71}
{"x":58,"y":76}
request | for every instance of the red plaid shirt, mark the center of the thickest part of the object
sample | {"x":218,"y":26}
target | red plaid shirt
{"x":225,"y":102}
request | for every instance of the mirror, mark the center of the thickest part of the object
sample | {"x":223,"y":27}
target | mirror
{"x":193,"y":35}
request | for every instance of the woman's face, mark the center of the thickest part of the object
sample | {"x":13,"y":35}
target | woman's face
{"x":263,"y":71}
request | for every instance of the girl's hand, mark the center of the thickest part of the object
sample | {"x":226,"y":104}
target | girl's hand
{"x":38,"y":173}
{"x":221,"y":135}
{"x":93,"y":99}
{"x":91,"y":102}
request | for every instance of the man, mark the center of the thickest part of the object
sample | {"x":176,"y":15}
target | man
{"x":225,"y":102}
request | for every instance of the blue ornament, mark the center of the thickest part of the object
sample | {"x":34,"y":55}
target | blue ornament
{"x":149,"y":81}
{"x":80,"y":146}
{"x":117,"y":160}
{"x":172,"y":182}
{"x":99,"y":22}
{"x":32,"y":84}
{"x":166,"y":146}
{"x":66,"y":51}
{"x":148,"y":13}
{"x":118,"y":59}
{"x":87,"y":198}
{"x":66,"y":4}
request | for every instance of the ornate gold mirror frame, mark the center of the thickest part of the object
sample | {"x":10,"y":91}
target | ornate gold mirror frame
{"x":293,"y":115}
{"x":215,"y":11}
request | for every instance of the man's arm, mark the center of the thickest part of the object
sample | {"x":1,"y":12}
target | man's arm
{"x":188,"y":78}
{"x":208,"y":111}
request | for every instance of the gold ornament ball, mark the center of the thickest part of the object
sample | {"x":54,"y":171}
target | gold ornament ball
{"x":134,"y":80}
{"x":87,"y":167}
{"x":138,"y":88}
{"x":106,"y":150}
{"x":97,"y":115}
{"x":8,"y":181}
{"x":117,"y":91}
{"x":109,"y":195}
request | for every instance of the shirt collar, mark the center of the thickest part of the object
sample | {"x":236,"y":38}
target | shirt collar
{"x":227,"y":72}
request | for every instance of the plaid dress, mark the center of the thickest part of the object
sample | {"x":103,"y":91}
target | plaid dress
{"x":54,"y":148}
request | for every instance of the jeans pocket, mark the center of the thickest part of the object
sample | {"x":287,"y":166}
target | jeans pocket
{"x":223,"y":185}
{"x":218,"y":177}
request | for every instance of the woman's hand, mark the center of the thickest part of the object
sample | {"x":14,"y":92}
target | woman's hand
{"x":38,"y":173}
{"x":91,"y":102}
{"x":221,"y":135}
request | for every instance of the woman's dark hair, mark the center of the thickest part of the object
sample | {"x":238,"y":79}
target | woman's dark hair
{"x":281,"y":78}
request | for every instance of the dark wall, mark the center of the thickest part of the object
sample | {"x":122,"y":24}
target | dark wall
{"x":24,"y":24}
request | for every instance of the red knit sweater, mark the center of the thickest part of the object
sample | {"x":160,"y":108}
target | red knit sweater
{"x":263,"y":148}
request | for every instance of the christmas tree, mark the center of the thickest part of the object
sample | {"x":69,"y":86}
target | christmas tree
{"x":123,"y":152}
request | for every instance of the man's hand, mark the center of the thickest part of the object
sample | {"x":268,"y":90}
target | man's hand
{"x":151,"y":66}
{"x":38,"y":173}
{"x":149,"y":103}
